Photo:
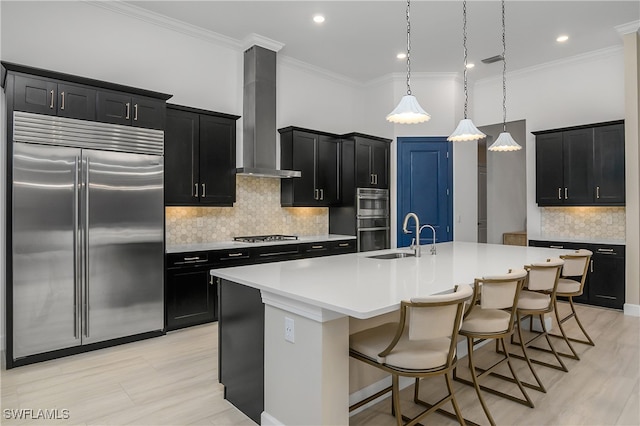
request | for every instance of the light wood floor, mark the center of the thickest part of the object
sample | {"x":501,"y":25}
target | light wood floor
{"x":172,"y":380}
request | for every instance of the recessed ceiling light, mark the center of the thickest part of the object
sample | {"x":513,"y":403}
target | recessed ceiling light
{"x":318,"y":19}
{"x":562,"y":38}
{"x":471,"y":65}
{"x":401,"y":55}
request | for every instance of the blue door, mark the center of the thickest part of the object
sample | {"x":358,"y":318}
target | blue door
{"x":425,"y":184}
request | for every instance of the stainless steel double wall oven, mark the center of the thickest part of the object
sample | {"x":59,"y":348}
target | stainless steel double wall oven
{"x":372,"y":215}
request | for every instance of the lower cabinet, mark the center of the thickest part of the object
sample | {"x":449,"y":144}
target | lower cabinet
{"x":192,"y":293}
{"x":605,"y":282}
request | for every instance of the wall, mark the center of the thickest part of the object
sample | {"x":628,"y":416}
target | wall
{"x":256,"y":211}
{"x":581,"y":90}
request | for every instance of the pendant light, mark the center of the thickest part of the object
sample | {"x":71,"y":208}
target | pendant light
{"x":466,"y":130}
{"x":408,"y":110}
{"x":504,"y":142}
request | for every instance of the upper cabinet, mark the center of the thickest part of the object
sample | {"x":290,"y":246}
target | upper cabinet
{"x":138,"y":111}
{"x":48,"y":92}
{"x":200,"y":157}
{"x":369,"y":163}
{"x":581,"y":166}
{"x":317,"y":156}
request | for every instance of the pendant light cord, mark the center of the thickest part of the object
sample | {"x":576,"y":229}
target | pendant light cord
{"x":504,"y":74}
{"x":464,"y":45}
{"x":408,"y":49}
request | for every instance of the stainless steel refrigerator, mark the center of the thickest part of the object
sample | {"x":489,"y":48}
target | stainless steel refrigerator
{"x":87,"y":232}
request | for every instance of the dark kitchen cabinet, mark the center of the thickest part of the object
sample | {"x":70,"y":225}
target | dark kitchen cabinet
{"x":605,"y":282}
{"x":191,"y":291}
{"x":50,"y":97}
{"x":317,"y":156}
{"x":128,"y":110}
{"x":369,"y":162}
{"x":200,"y":157}
{"x":580,"y":166}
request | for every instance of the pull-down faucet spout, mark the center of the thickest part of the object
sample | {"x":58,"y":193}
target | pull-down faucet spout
{"x":415,"y":244}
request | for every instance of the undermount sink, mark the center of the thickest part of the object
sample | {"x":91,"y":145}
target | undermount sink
{"x":391,"y":256}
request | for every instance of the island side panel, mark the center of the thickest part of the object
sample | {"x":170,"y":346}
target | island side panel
{"x":241,"y":347}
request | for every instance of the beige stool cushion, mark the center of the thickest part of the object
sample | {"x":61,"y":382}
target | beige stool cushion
{"x":407,"y":354}
{"x":485,"y":321}
{"x":567,"y":286}
{"x":530,"y":300}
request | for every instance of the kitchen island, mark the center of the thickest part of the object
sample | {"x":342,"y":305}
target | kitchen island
{"x":310,"y":301}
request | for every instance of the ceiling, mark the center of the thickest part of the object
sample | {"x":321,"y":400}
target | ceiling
{"x":360,"y":39}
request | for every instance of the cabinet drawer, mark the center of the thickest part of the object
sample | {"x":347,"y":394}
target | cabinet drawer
{"x":228,"y":256}
{"x":275,"y":253}
{"x":316,"y":248}
{"x":191,"y":258}
{"x":346,"y":246}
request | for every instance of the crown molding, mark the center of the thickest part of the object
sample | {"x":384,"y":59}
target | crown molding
{"x":136,"y":12}
{"x":596,"y":54}
{"x":254,"y":39}
{"x":322,"y":72}
{"x":628,"y":28}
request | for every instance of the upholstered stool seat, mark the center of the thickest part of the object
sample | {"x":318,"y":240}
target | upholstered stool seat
{"x":486,"y":321}
{"x":422,"y":344}
{"x":530,"y":300}
{"x":566,"y":286}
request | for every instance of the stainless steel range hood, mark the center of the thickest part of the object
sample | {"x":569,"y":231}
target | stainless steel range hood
{"x":259,"y":115}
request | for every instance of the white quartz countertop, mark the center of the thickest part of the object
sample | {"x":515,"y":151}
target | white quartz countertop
{"x":222,"y":245}
{"x":359,"y":286}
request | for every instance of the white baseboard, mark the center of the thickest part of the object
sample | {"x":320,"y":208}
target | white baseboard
{"x":632,"y":310}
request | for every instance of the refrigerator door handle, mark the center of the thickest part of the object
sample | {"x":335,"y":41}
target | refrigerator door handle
{"x":86,"y":250}
{"x":77,"y":255}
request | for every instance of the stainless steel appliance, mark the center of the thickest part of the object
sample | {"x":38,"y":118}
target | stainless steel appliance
{"x":372,"y":214}
{"x":265,"y":238}
{"x":87,"y":233}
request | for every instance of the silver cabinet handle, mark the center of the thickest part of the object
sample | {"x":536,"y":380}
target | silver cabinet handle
{"x":196,"y":191}
{"x":597,"y":192}
{"x":559,"y":193}
{"x":322,"y":194}
{"x":52,"y":105}
{"x":62,"y":100}
{"x":605,"y":250}
{"x":371,"y":179}
{"x":592,"y":266}
{"x":566,"y":196}
{"x":316,"y":194}
{"x":127,"y":110}
{"x":135,"y":112}
{"x":556,"y":247}
{"x":86,"y":251}
{"x":210,"y":279}
{"x":317,"y":247}
{"x":186,"y":259}
{"x":234,"y":254}
{"x":375,"y":178}
{"x":204,"y":190}
{"x":343,"y":245}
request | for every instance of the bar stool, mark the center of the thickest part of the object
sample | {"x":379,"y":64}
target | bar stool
{"x":537,"y":300}
{"x":493,"y":318}
{"x":571,"y":283}
{"x":422,"y":344}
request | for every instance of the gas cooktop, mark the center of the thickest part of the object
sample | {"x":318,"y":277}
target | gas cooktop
{"x":264,"y":238}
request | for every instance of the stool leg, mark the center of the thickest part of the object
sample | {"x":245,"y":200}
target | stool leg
{"x":396,"y":398}
{"x":540,"y":386}
{"x":564,"y":334}
{"x":456,"y":408}
{"x":475,"y":381}
{"x":575,"y":315}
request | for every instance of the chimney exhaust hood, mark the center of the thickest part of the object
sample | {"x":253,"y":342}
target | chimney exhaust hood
{"x":259,"y":115}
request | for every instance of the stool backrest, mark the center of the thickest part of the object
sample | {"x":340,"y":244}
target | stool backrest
{"x":435,"y":316}
{"x":501,"y":291}
{"x":544,"y":276}
{"x":575,"y":263}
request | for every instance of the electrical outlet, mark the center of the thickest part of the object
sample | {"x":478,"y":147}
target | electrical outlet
{"x":289,"y":331}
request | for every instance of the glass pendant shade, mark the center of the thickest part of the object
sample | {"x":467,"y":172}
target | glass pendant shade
{"x":408,"y":111}
{"x":505,"y":143}
{"x":466,"y":131}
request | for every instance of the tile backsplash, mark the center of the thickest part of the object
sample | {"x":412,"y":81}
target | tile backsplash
{"x":587,"y":223}
{"x":256,"y":211}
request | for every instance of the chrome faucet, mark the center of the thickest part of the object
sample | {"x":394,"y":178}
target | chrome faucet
{"x":415,"y":243}
{"x":433,"y":246}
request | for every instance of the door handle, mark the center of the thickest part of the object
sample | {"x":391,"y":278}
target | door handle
{"x":62,"y":100}
{"x":77,"y":304}
{"x":86,"y":250}
{"x":52,"y":105}
{"x":127,"y":110}
{"x":135,"y":112}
